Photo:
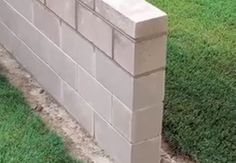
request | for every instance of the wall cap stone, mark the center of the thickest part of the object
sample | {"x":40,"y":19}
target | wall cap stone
{"x":136,"y":18}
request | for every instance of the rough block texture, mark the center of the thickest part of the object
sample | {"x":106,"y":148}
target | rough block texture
{"x":103,"y":60}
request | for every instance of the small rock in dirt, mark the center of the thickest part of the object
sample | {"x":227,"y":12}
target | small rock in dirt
{"x":35,"y":107}
{"x":38,"y":108}
{"x":41,"y":91}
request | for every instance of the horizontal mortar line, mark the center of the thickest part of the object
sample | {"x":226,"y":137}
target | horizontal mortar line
{"x":136,"y":111}
{"x":150,"y":72}
{"x":146,"y":108}
{"x":121,"y":31}
{"x":151,"y":37}
{"x":147,"y":140}
{"x":127,"y":72}
{"x":133,"y":142}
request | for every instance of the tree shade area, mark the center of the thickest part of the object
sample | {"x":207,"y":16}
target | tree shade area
{"x":200,"y":103}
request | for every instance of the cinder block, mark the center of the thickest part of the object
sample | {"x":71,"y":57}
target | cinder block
{"x":90,"y":3}
{"x":135,"y":93}
{"x":149,"y":90}
{"x":46,"y":22}
{"x":147,"y":123}
{"x":112,"y":141}
{"x":79,"y":49}
{"x":147,"y":152}
{"x":8,"y":16}
{"x":122,"y":118}
{"x":61,"y":63}
{"x":119,"y":82}
{"x":64,"y":9}
{"x":78,"y":107}
{"x":137,"y":126}
{"x":140,"y":57}
{"x":94,"y":29}
{"x":136,"y":18}
{"x":45,"y":76}
{"x":121,"y":150}
{"x":94,"y":93}
{"x":7,"y":38}
{"x":25,"y":7}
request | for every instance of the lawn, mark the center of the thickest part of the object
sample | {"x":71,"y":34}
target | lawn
{"x":200,"y":104}
{"x":24,"y":138}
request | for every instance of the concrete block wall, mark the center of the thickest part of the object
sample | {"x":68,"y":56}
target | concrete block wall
{"x":103,"y":60}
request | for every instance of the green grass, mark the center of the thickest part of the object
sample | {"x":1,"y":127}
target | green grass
{"x":24,"y":138}
{"x":200,"y":105}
